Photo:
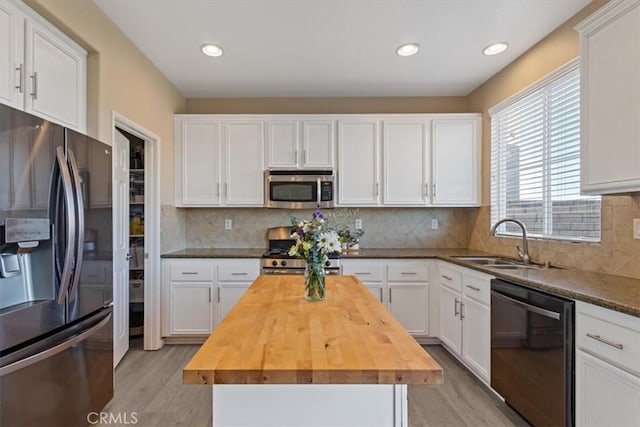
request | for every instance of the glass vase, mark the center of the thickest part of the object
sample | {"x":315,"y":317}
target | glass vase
{"x":314,"y":282}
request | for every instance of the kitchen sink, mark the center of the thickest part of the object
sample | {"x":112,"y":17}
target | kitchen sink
{"x":501,"y":263}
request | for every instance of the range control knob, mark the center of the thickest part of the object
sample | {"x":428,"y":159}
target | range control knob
{"x":327,"y":264}
{"x":274,"y":263}
{"x":283,"y":263}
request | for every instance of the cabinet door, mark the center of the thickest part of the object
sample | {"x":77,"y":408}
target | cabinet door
{"x":12,"y":67}
{"x":244,"y":152}
{"x":605,"y":395}
{"x":198,"y":160}
{"x":408,"y":303}
{"x":318,"y":143}
{"x":476,"y":337}
{"x":405,"y":163}
{"x":282,"y":145}
{"x":610,"y":104}
{"x":358,"y":147}
{"x":228,"y":296}
{"x":455,"y":165}
{"x":57,"y":77}
{"x":191,"y":309}
{"x":450,"y":326}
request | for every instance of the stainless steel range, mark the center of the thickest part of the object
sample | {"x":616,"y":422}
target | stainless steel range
{"x":276,"y":259}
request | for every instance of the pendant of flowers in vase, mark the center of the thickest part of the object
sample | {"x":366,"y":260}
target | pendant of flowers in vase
{"x":315,"y":240}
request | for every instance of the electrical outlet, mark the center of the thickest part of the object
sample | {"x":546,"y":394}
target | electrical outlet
{"x":228,"y":224}
{"x":636,"y":228}
{"x":434,"y":224}
{"x":358,"y":224}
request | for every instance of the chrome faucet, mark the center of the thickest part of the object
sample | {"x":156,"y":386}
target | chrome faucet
{"x":524,"y":253}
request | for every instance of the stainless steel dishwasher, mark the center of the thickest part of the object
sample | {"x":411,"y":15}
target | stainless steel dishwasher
{"x":532,"y":356}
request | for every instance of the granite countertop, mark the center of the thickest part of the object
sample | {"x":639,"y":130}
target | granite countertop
{"x":614,"y":292}
{"x":360,"y":342}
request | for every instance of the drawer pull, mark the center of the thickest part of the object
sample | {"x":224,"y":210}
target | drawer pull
{"x":408,"y":273}
{"x":445,"y":277}
{"x":238,"y":274}
{"x":362,"y":274}
{"x":473,"y":287}
{"x":455,"y":308}
{"x":189,"y":273}
{"x":604,"y":341}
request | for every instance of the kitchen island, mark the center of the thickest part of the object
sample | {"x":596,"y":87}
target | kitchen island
{"x":278,"y":359}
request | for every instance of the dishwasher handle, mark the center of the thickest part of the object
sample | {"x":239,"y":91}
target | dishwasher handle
{"x":538,"y":310}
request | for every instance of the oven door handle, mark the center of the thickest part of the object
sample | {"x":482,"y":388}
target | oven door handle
{"x":541,"y":311}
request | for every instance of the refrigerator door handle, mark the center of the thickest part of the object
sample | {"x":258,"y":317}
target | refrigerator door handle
{"x":71,"y":230}
{"x":20,"y":364}
{"x":80,"y":224}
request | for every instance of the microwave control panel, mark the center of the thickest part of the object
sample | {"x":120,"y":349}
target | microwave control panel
{"x":326,"y":191}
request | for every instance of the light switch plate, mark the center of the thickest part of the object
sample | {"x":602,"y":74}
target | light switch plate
{"x":228,"y":224}
{"x":434,"y":224}
{"x":636,"y":228}
{"x":358,"y":224}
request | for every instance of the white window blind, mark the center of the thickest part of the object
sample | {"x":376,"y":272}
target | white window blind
{"x":535,"y":161}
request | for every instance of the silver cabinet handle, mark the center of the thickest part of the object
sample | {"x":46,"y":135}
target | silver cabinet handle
{"x":389,"y":295}
{"x":455,"y":308}
{"x":295,"y":154}
{"x":408,"y":273}
{"x":473,"y":287}
{"x":461,"y":310}
{"x":218,"y":294}
{"x":362,"y":274}
{"x":445,"y":277}
{"x":605,"y":341}
{"x":209,"y":294}
{"x":434,"y":190}
{"x":238,"y":274}
{"x":377,"y":188}
{"x":218,"y":189}
{"x":426,"y":189}
{"x":226,"y":189}
{"x":20,"y":71}
{"x":34,"y":86}
{"x":188,"y":273}
{"x":380,"y":294}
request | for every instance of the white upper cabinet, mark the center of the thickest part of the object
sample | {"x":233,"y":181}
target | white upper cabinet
{"x":295,"y":143}
{"x":358,"y":165}
{"x":283,"y":141}
{"x":43,"y":72}
{"x":610,"y":99}
{"x":12,"y":71}
{"x":318,"y":137}
{"x":198,"y":161}
{"x":405,"y":162}
{"x":244,"y":147}
{"x":219,"y":162}
{"x":456,"y":162}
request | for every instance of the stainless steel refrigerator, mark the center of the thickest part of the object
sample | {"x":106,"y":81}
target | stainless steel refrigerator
{"x":56,"y":332}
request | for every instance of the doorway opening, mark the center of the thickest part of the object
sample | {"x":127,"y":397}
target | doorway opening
{"x":140,"y":224}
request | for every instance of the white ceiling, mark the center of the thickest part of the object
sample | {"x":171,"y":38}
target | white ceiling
{"x":322,"y":48}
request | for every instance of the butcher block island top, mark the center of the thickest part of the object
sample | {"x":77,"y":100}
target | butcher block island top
{"x":274,"y":336}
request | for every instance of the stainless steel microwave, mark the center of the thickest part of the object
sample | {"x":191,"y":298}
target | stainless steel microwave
{"x":299,"y":189}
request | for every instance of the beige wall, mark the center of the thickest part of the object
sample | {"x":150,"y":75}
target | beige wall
{"x":617,"y":253}
{"x":442,"y":104}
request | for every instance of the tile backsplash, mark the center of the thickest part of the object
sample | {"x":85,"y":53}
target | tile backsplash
{"x":383,"y":227}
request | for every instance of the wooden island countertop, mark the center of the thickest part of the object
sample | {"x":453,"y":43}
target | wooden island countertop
{"x":274,"y":336}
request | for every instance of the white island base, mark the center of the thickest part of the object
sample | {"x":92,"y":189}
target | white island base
{"x":310,"y":405}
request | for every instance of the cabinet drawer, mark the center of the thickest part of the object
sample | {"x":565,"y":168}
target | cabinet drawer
{"x":477,"y":288}
{"x":238,"y":270}
{"x":191,"y":271}
{"x":408,"y":273}
{"x":609,"y":335}
{"x":365,"y":271}
{"x":450,"y":278}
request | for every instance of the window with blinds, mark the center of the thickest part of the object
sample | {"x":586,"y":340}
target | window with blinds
{"x":535,"y":161}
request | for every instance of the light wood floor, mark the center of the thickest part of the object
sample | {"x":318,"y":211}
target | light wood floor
{"x":149,"y":383}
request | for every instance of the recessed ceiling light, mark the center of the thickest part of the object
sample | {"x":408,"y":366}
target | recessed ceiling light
{"x":495,"y":48}
{"x":408,"y":49}
{"x":211,"y":50}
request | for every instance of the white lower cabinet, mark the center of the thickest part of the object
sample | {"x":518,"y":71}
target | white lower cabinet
{"x":400,"y":285}
{"x":607,"y":367}
{"x":465,"y":316}
{"x":198,"y":293}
